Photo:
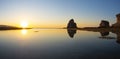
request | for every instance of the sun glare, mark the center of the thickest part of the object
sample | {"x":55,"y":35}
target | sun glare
{"x":24,"y":24}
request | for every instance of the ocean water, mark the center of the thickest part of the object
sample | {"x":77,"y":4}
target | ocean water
{"x":58,"y":44}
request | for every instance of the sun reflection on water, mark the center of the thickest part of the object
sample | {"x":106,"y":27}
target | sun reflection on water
{"x":24,"y":31}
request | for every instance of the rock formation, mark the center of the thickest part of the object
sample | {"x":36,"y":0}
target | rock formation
{"x":104,"y":24}
{"x":117,"y":24}
{"x":71,"y":24}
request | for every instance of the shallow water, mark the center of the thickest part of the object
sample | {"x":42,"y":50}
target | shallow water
{"x":58,"y":44}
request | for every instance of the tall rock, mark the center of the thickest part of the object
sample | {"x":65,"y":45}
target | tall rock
{"x":117,"y":24}
{"x":71,"y":24}
{"x":104,"y":24}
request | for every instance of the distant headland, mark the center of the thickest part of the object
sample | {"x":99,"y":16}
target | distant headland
{"x":6,"y":27}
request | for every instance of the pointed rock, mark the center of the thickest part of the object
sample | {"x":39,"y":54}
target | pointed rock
{"x":71,"y":24}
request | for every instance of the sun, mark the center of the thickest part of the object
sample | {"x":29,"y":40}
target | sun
{"x":24,"y":24}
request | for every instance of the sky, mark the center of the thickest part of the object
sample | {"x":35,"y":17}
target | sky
{"x":57,"y":13}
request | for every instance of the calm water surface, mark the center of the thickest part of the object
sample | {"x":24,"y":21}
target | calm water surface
{"x":58,"y":44}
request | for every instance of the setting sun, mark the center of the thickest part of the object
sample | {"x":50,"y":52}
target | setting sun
{"x":24,"y":24}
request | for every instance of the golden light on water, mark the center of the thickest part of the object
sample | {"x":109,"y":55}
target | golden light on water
{"x":24,"y":32}
{"x":24,"y":24}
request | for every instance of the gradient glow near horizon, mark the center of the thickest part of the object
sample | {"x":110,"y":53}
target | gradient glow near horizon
{"x":57,"y":13}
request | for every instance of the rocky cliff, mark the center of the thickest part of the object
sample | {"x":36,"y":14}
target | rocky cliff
{"x":117,"y":24}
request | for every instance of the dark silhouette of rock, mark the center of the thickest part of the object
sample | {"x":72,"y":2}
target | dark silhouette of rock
{"x":71,"y":32}
{"x":104,"y":24}
{"x":117,"y":24}
{"x":71,"y":24}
